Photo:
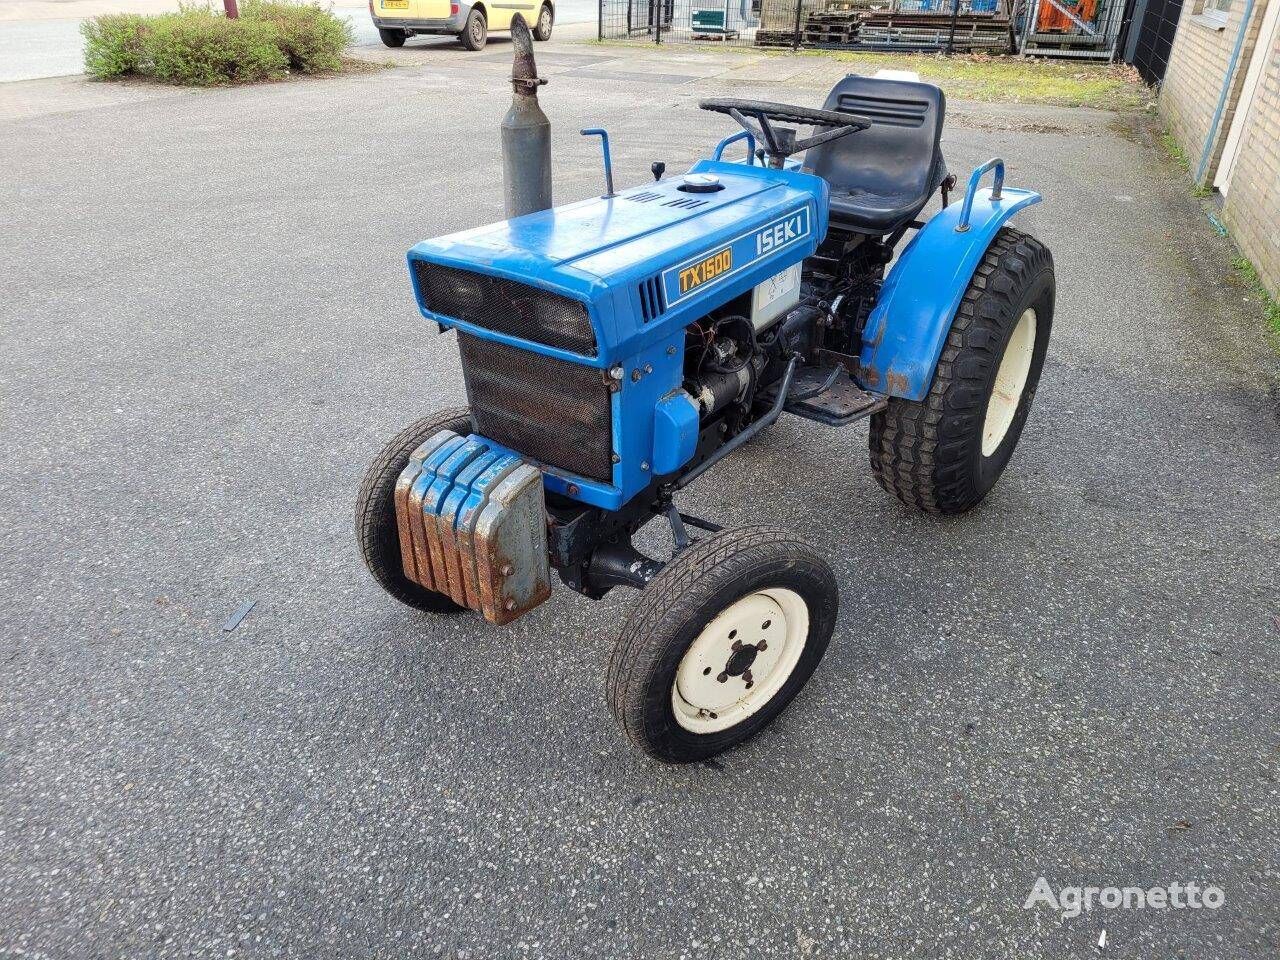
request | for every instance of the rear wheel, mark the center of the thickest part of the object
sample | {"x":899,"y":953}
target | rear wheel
{"x":476,"y":32}
{"x":720,"y":642}
{"x":943,"y":454}
{"x":392,"y":38}
{"x":546,"y":20}
{"x":376,"y":530}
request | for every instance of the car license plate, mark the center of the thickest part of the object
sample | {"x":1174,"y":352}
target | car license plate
{"x":395,"y":4}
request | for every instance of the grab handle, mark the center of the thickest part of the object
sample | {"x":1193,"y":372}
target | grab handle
{"x":996,"y":164}
{"x":741,"y":135}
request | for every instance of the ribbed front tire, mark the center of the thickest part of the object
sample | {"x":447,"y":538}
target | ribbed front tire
{"x":720,"y":641}
{"x":943,"y":454}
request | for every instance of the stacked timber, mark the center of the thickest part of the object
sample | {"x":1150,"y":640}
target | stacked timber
{"x":933,"y":30}
{"x":775,"y":38}
{"x":830,"y":29}
{"x":872,"y":24}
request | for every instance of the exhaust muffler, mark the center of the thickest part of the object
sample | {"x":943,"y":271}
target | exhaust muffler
{"x":526,"y":132}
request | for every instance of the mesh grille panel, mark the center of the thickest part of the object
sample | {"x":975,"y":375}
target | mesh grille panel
{"x":549,"y":410}
{"x":505,"y":306}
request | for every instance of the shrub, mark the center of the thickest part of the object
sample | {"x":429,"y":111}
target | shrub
{"x":113,"y":44}
{"x":199,"y":47}
{"x":312,"y":39}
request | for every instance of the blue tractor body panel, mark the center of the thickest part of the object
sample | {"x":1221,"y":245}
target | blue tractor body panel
{"x":647,"y":263}
{"x":912,"y":317}
{"x":652,"y":259}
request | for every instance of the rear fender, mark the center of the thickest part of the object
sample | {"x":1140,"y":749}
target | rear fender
{"x":912,"y":317}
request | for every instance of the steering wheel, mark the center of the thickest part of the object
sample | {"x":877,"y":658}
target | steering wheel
{"x":781,"y":142}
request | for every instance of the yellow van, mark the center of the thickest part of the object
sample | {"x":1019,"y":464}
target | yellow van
{"x":468,"y":20}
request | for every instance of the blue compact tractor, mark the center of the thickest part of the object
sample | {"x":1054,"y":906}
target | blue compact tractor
{"x":616,"y":348}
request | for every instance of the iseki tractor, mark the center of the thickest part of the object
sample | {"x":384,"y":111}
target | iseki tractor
{"x":616,"y":348}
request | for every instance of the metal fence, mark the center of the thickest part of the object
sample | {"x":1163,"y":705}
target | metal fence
{"x":1041,"y":27}
{"x":1061,"y":28}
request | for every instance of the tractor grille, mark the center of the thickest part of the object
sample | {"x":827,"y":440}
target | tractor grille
{"x":548,"y":410}
{"x":505,"y":306}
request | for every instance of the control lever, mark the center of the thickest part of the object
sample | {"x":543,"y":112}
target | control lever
{"x":608,"y":158}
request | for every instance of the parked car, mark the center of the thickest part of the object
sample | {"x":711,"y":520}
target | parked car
{"x":397,"y":20}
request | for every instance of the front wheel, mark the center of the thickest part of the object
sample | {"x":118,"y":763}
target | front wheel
{"x":546,"y":19}
{"x":392,"y":38}
{"x":720,"y":642}
{"x":476,"y":32}
{"x":943,"y":454}
{"x":376,"y":530}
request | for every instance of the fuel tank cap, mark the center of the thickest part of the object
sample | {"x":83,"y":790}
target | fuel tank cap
{"x":700,"y":183}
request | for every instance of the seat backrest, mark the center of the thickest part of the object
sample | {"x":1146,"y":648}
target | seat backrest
{"x":899,"y":152}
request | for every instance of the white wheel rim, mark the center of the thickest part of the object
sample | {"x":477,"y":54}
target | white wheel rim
{"x":1011,"y":380}
{"x":754,"y":644}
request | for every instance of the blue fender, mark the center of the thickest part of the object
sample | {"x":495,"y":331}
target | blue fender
{"x":912,"y":317}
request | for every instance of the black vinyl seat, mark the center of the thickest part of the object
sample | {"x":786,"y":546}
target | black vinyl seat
{"x":882,"y":177}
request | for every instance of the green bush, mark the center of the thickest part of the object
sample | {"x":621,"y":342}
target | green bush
{"x":200,"y":47}
{"x":312,"y":39}
{"x":202,"y":50}
{"x":113,"y":45}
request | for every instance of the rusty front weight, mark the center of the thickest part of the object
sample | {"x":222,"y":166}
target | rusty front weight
{"x":472,"y":525}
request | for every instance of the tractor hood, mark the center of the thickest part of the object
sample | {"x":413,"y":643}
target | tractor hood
{"x":650,"y":253}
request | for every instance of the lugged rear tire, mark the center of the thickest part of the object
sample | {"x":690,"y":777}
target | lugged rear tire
{"x":376,"y":531}
{"x":930,"y":454}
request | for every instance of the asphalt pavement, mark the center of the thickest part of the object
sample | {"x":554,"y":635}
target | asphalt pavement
{"x":207,"y":332}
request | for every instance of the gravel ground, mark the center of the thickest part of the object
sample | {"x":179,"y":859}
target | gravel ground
{"x":206,"y":332}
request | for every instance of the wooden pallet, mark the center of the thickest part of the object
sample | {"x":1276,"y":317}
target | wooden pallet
{"x":831,"y":27}
{"x":829,"y":36}
{"x":924,"y":29}
{"x":775,"y":38}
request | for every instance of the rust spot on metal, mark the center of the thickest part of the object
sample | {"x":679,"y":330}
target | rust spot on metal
{"x":473,"y":526}
{"x":418,"y":534}
{"x":897,"y":382}
{"x":403,"y":525}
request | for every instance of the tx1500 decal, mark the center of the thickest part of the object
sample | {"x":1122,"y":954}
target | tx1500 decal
{"x":719,"y":264}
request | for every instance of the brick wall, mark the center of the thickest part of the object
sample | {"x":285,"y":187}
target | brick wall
{"x":1197,"y":64}
{"x":1188,"y":97}
{"x":1252,"y":208}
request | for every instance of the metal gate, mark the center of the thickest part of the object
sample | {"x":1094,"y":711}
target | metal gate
{"x":1069,"y":28}
{"x":1150,"y":37}
{"x":901,"y":25}
{"x":1062,"y":28}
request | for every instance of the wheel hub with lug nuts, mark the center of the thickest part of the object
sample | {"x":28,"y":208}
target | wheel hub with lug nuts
{"x":740,"y":660}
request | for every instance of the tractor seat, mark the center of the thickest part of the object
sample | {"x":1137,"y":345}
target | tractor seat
{"x":881,"y":177}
